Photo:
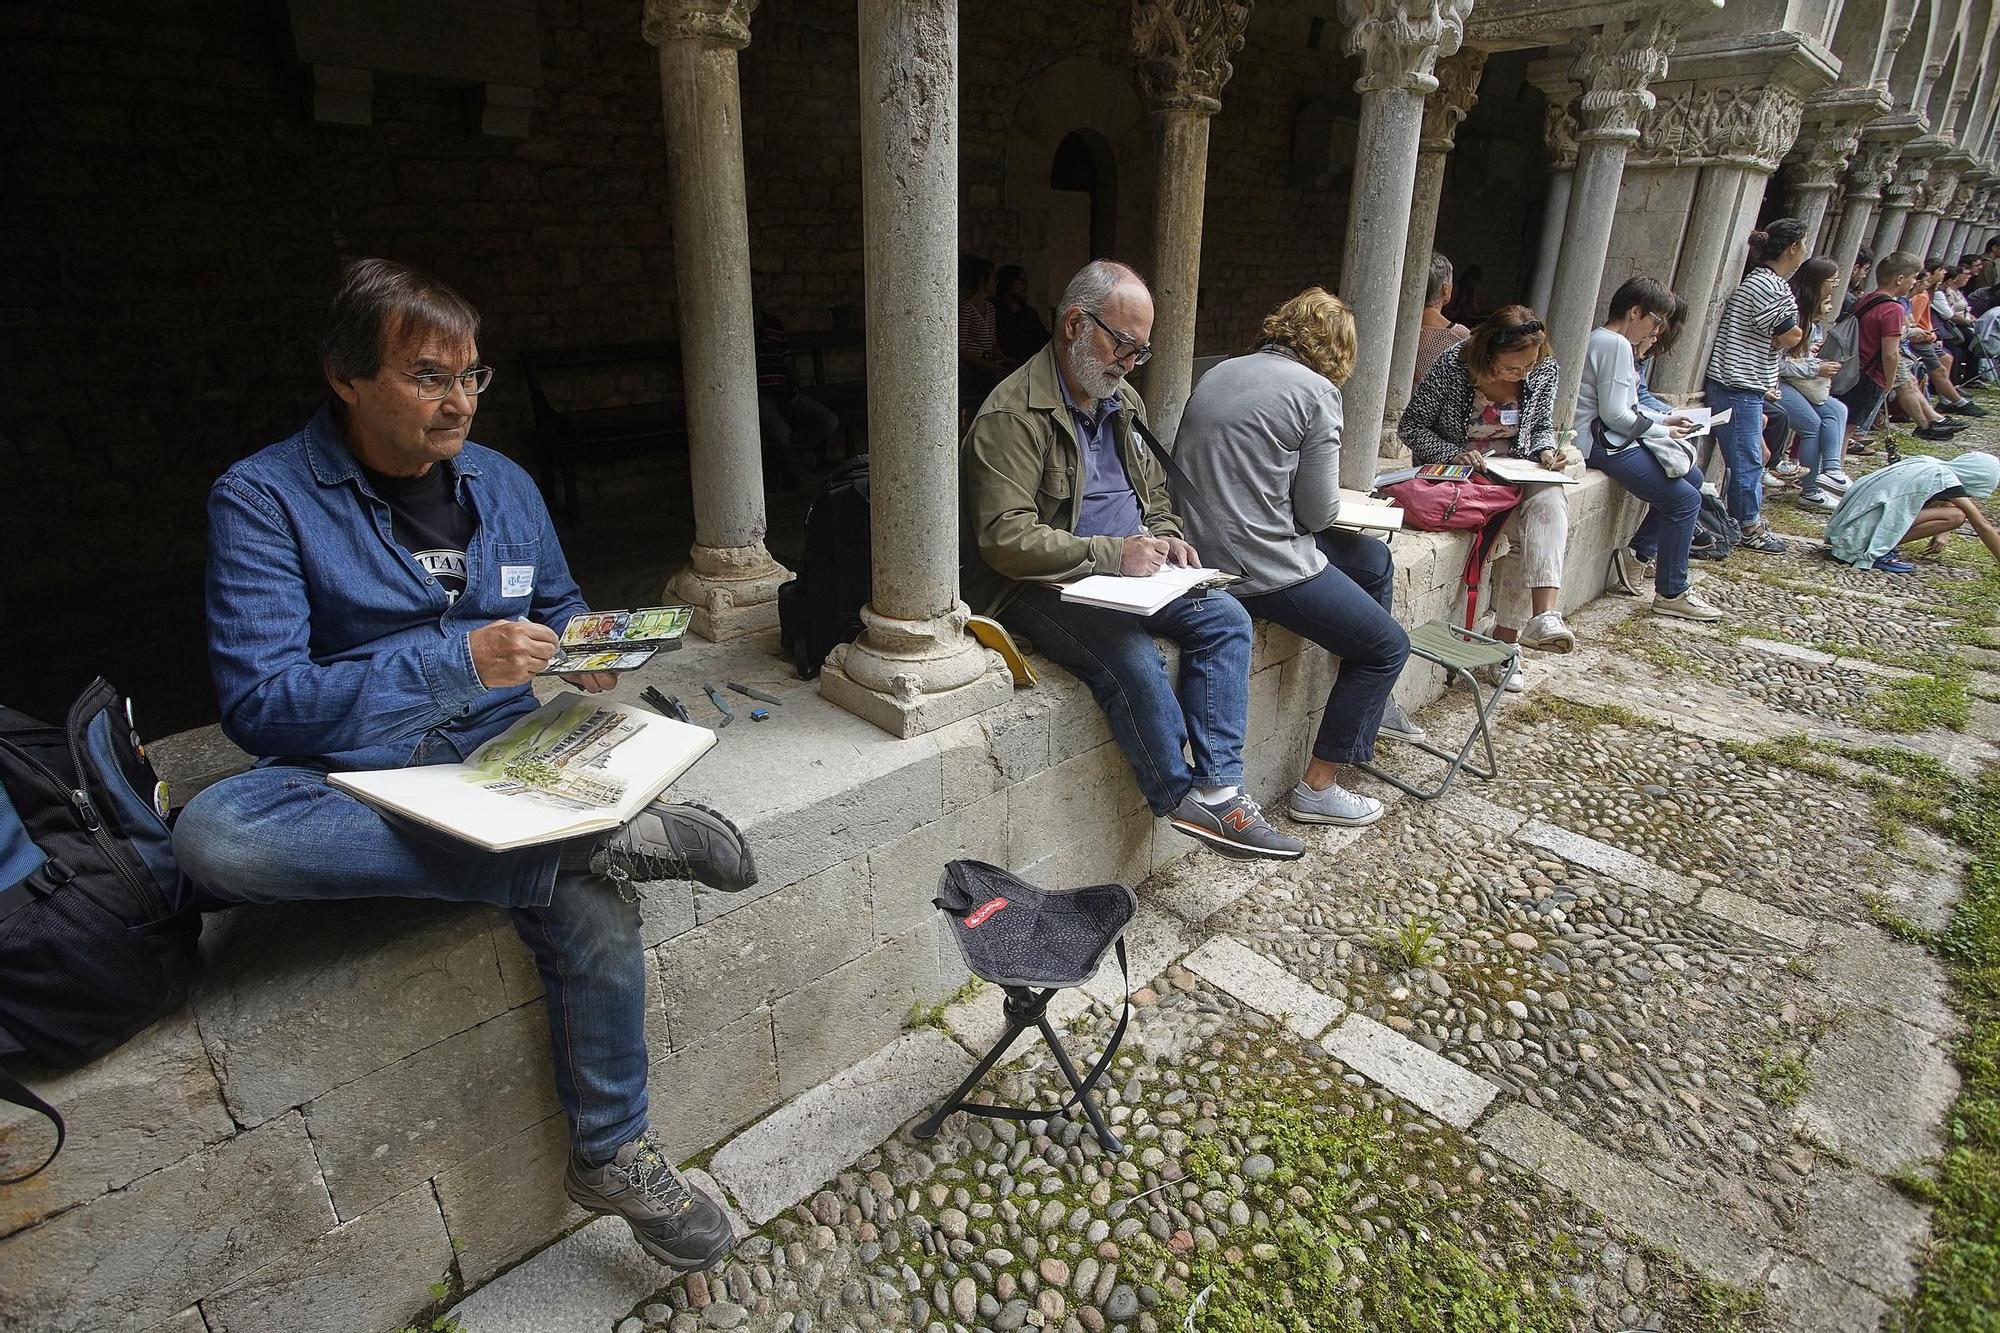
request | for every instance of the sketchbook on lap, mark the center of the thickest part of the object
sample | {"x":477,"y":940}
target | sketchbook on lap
{"x":574,"y":766}
{"x":1141,"y":596}
{"x":1523,"y":471}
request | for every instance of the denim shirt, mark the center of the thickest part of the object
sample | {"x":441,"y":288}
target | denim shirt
{"x":329,"y":642}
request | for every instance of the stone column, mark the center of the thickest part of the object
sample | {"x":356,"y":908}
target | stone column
{"x":1865,"y":178}
{"x":731,"y":580}
{"x":1827,"y":148}
{"x":1892,"y":217}
{"x":1458,"y":89}
{"x":1616,"y":71}
{"x":1399,"y":44}
{"x":1183,"y":55}
{"x":914,"y":668}
{"x":1559,"y":129}
{"x":1933,"y":193}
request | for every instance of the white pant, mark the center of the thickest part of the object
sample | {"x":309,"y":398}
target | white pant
{"x":1538,"y":531}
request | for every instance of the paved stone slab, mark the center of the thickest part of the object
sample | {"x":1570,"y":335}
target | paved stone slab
{"x":840,"y":1018}
{"x":584,"y":1283}
{"x":792,"y":1152}
{"x":1607,"y":860}
{"x":1805,"y":1298}
{"x":1428,"y":1080}
{"x":1790,"y":651}
{"x":1862,"y":1230}
{"x":1766,"y":920}
{"x":139,"y":1256}
{"x":1923,"y":895}
{"x":1153,"y":941}
{"x":1880,"y":1090}
{"x":1479,"y":812}
{"x":1195,"y":888}
{"x":372,"y":1273}
{"x":1903,"y":980}
{"x":1634,"y":1199}
{"x":1265,"y":986}
{"x":146,"y":1105}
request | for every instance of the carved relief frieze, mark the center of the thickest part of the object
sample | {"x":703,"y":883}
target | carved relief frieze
{"x":1753,"y":125}
{"x":723,"y":22}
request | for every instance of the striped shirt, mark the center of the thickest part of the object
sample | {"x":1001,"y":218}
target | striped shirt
{"x":1761,"y":308}
{"x":975,"y":329}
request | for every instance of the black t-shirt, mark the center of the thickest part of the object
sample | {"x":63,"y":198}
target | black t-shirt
{"x":429,"y":522}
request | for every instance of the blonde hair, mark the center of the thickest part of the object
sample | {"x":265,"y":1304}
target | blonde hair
{"x":1318,"y":328}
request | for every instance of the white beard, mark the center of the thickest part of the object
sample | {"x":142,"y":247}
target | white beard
{"x":1098,"y":380}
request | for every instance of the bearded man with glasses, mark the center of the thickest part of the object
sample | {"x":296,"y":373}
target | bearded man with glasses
{"x":1059,"y":485}
{"x":380,"y":593}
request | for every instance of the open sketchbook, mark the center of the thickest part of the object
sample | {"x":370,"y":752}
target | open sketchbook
{"x":574,"y":766}
{"x":1363,"y":512}
{"x":1141,"y":596}
{"x":1524,"y":471}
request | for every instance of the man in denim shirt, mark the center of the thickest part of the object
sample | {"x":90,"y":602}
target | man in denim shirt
{"x":380,"y":592}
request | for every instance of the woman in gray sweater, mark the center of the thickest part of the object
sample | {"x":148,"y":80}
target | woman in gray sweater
{"x":1260,"y":441}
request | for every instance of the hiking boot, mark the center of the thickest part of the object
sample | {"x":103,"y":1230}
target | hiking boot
{"x":1397,"y":726}
{"x":1236,"y":828}
{"x":674,"y":1222}
{"x":1688,"y":606}
{"x":676,"y":840}
{"x":1334,"y":805}
{"x":1760,"y":538}
{"x":1548,"y":633}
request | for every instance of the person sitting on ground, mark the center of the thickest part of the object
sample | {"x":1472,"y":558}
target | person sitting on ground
{"x":1260,"y":444}
{"x":1908,"y":397}
{"x":1805,"y":393}
{"x":1436,"y":332}
{"x":1057,"y":483}
{"x":1650,"y":456}
{"x":786,"y":415}
{"x":1496,"y":391}
{"x":980,"y":364}
{"x":1918,"y":499}
{"x":1017,"y":330}
{"x":381,"y":591}
{"x":1759,"y":321}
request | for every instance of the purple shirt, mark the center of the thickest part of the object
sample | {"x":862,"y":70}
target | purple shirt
{"x":1106,"y":505}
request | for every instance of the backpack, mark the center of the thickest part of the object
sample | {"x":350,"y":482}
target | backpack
{"x":1478,"y":504}
{"x":1715,"y":532}
{"x":1843,"y":343}
{"x":97,"y":924}
{"x":822,"y":606}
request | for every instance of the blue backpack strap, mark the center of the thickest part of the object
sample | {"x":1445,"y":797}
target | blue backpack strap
{"x":17,"y":1092}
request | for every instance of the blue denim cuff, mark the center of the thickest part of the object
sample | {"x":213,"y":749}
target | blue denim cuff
{"x":454,"y":681}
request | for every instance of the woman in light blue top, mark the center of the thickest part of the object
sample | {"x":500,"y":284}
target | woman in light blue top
{"x":1909,"y":501}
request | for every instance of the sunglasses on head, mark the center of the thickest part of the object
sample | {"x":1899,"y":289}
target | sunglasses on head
{"x":1519,"y":333}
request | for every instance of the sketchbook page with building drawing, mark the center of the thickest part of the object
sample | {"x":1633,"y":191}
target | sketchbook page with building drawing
{"x":574,"y":766}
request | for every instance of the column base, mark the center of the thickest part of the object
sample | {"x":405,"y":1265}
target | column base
{"x":910,"y":677}
{"x":733,"y":590}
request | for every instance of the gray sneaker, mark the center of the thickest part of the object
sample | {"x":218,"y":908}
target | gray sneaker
{"x":1335,"y":805}
{"x":672,"y":1220}
{"x":668,"y":840}
{"x":1236,"y":828}
{"x":1396,"y":725}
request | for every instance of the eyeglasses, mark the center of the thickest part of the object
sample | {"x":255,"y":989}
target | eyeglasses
{"x":1520,"y":333}
{"x":1124,"y":344}
{"x":435,"y":384}
{"x":1659,"y":321}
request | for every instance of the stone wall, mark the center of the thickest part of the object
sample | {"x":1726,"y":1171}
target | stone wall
{"x":357,"y":1103}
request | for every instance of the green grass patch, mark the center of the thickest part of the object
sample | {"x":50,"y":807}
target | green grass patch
{"x":1547,"y":707}
{"x":1413,"y":943}
{"x":1921,"y":703}
{"x":1782,"y":1078}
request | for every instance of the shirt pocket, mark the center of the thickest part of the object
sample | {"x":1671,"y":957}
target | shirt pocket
{"x":1057,"y":483}
{"x":516,"y":565}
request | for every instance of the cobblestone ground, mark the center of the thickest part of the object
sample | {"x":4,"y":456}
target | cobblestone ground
{"x":1617,"y":1041}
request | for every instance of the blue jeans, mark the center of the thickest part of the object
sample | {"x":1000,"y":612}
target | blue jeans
{"x":1822,"y":431}
{"x":1667,"y":531}
{"x":282,"y":833}
{"x":1207,"y":710}
{"x":1345,"y":609}
{"x":1741,"y":440}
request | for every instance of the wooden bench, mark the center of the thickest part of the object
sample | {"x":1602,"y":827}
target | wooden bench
{"x":562,"y":433}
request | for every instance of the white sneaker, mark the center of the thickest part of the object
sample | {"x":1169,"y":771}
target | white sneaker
{"x":1816,"y":500}
{"x":1396,"y":724}
{"x":1774,"y":482}
{"x":1335,"y":805}
{"x":1788,"y":469}
{"x":1627,"y":571}
{"x":1506,"y":676}
{"x":1835,"y":481}
{"x":1548,"y":633}
{"x":1688,"y":606}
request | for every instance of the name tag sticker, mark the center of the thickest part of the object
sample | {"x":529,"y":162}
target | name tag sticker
{"x":517,"y":580}
{"x":1510,"y":416}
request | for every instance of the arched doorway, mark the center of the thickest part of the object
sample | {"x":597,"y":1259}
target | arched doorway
{"x":1082,"y":208}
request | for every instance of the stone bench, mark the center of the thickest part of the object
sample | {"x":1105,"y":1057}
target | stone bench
{"x":357,"y":1103}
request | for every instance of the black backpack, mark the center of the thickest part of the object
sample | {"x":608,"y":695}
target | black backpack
{"x":822,"y":606}
{"x":1716,"y":534}
{"x":97,"y":924}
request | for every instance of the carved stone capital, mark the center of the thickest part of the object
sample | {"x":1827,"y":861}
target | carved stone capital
{"x":1457,"y":91}
{"x":1183,"y":49}
{"x":1616,"y":73}
{"x":1910,"y":178}
{"x":1401,"y":41}
{"x":1559,"y":132}
{"x":721,"y":22}
{"x":1743,"y":124}
{"x":1936,"y":192}
{"x":1870,"y":170}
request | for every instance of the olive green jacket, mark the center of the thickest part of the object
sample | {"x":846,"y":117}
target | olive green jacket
{"x":1018,"y":477}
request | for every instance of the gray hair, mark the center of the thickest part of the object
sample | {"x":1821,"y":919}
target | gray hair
{"x":1093,"y":284}
{"x":1439,"y":280}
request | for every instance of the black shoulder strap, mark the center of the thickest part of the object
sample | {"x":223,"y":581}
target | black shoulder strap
{"x":15,"y":1091}
{"x":1183,"y":489}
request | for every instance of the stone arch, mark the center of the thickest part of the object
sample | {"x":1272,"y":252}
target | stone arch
{"x":1940,"y":90}
{"x":1906,"y":72}
{"x":1978,"y":34}
{"x":1095,"y":108}
{"x":1867,"y":37}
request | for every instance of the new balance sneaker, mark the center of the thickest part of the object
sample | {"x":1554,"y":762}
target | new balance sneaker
{"x":672,"y":1220}
{"x":1548,"y":633}
{"x":1335,"y":805}
{"x":669,"y":840}
{"x":1688,"y":606}
{"x":1836,"y":481}
{"x":1397,"y":726}
{"x":1774,"y":482}
{"x":1819,"y":500}
{"x":1759,"y":537}
{"x":1236,"y":828}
